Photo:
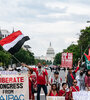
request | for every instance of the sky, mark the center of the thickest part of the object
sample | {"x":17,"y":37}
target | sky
{"x":45,"y":21}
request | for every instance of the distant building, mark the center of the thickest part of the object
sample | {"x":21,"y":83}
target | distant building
{"x":50,"y":54}
{"x":26,"y":47}
{"x":4,"y":33}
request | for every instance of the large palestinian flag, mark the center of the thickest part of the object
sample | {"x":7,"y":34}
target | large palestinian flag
{"x":87,"y":59}
{"x":13,"y":42}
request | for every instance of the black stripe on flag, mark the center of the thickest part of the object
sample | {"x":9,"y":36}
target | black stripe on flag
{"x":19,"y":44}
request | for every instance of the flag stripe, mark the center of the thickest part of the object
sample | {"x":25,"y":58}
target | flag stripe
{"x":11,"y":44}
{"x":10,"y":38}
{"x":18,"y":45}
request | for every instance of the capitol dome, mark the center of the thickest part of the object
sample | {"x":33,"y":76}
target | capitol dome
{"x":50,"y":51}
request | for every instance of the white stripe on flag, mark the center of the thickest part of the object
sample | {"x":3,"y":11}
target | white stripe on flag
{"x":11,"y":44}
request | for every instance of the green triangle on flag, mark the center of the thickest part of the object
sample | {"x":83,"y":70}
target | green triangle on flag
{"x":87,"y":62}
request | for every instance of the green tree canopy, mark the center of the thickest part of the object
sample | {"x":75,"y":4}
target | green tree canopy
{"x":57,"y":59}
{"x":25,"y":56}
{"x":84,"y":38}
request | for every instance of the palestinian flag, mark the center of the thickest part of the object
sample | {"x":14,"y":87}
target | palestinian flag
{"x":13,"y":42}
{"x":87,"y":59}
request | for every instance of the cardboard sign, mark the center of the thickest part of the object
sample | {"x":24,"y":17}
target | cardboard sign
{"x":67,"y":60}
{"x":14,"y":87}
{"x":82,"y":95}
{"x":55,"y":98}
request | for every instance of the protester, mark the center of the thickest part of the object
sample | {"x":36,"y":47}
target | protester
{"x":31,"y":80}
{"x":42,"y":75}
{"x":56,"y":80}
{"x":74,"y":88}
{"x":81,"y":80}
{"x":87,"y":80}
{"x":62,"y":92}
{"x":72,"y":75}
{"x":53,"y":90}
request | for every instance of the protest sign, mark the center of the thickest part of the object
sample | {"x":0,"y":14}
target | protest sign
{"x":67,"y":60}
{"x":14,"y":87}
{"x":82,"y":95}
{"x":55,"y":98}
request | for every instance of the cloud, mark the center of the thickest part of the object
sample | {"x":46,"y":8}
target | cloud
{"x":56,"y":21}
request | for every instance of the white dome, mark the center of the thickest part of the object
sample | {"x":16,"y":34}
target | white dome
{"x":50,"y":51}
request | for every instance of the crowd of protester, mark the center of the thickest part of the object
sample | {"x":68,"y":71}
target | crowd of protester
{"x":74,"y":82}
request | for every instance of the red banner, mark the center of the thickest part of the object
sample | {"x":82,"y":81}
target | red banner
{"x":67,"y":60}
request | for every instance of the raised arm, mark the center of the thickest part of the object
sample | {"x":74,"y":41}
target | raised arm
{"x":77,"y":67}
{"x":26,"y":66}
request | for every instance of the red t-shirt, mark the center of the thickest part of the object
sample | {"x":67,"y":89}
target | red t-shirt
{"x":61,"y":92}
{"x":30,"y":84}
{"x":40,"y":77}
{"x":51,"y":94}
{"x":75,"y":89}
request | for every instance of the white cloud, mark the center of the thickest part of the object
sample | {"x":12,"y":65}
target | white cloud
{"x":72,"y":8}
{"x":48,"y":22}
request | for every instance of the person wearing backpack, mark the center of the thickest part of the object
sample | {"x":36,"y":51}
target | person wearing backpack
{"x":56,"y":79}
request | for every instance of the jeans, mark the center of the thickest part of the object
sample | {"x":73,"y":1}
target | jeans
{"x":39,"y":89}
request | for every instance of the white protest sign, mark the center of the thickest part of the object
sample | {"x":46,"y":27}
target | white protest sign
{"x":55,"y":98}
{"x":14,"y":87}
{"x":82,"y":95}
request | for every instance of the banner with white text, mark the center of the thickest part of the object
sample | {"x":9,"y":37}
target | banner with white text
{"x":67,"y":60}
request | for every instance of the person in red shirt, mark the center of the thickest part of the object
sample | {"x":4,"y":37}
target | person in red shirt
{"x":31,"y":77}
{"x":62,"y":92}
{"x":87,"y":80}
{"x":53,"y":90}
{"x":74,"y":88}
{"x":42,"y":75}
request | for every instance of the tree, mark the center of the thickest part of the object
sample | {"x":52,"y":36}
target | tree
{"x":25,"y":56}
{"x":4,"y":58}
{"x":84,"y":39}
{"x":43,"y":62}
{"x":57,"y":59}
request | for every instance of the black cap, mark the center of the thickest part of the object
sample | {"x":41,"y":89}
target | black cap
{"x":56,"y":72}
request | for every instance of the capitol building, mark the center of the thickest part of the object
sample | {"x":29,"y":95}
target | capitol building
{"x":50,"y":54}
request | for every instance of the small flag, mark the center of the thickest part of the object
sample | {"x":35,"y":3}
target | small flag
{"x":87,"y":59}
{"x":13,"y":42}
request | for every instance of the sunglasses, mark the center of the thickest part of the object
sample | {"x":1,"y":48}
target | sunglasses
{"x":75,"y":82}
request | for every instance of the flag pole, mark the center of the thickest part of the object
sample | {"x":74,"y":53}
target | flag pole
{"x":83,"y":54}
{"x":13,"y":56}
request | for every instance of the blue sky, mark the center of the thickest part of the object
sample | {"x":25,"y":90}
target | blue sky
{"x":45,"y":21}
